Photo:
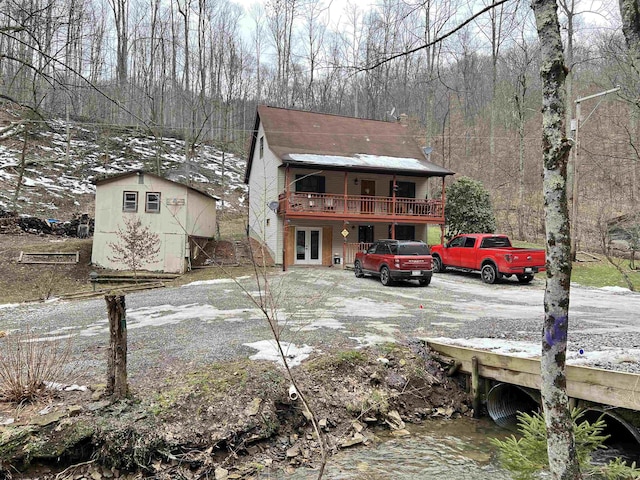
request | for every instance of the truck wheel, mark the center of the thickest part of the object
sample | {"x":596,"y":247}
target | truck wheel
{"x":438,"y":266}
{"x":489,"y":273}
{"x":425,"y":281}
{"x":524,"y":279}
{"x":357,"y":269}
{"x":385,"y":276}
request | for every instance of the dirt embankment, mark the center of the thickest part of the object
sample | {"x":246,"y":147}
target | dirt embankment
{"x":230,"y":420}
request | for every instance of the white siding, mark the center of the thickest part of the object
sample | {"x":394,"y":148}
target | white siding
{"x":201,"y":215}
{"x":263,"y":189}
{"x":176,"y":219}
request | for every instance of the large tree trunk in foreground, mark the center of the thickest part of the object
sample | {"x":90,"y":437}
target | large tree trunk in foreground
{"x":561,"y":446}
{"x":117,"y":386}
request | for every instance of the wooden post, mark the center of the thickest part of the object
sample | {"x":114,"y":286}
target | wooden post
{"x":475,"y":387}
{"x":117,"y":386}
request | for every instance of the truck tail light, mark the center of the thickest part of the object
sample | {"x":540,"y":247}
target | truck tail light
{"x":397,"y":262}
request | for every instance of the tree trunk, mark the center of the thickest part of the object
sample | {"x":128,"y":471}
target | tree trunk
{"x":630,"y":14}
{"x":117,"y":386}
{"x":563,"y":462}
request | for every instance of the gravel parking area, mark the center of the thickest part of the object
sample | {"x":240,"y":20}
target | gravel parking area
{"x":321,"y":307}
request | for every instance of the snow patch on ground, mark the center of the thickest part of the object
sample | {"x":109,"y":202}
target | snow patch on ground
{"x":370,"y":339}
{"x":8,"y":305}
{"x":368,"y":308}
{"x":268,"y":350}
{"x":615,"y":289}
{"x":330,"y":323}
{"x":161,"y":315}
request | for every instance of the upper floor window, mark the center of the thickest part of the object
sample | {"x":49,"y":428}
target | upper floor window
{"x":153,"y":202}
{"x":130,"y":202}
{"x":403,"y":189}
{"x":310,"y":183}
{"x":261,"y":147}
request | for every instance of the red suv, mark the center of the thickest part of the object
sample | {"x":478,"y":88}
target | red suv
{"x":395,"y":260}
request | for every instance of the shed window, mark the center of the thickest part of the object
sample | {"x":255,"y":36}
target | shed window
{"x":261,"y":147}
{"x":130,"y":202}
{"x":153,"y":202}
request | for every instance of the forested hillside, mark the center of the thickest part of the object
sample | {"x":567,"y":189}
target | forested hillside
{"x":188,"y":74}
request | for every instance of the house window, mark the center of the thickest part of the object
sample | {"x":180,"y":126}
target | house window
{"x":403,"y":189}
{"x":261,"y":147}
{"x":152,"y":203}
{"x":310,"y":183}
{"x":130,"y":202}
{"x":404,"y":232}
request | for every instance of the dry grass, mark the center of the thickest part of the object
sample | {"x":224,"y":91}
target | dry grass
{"x":26,"y":363}
{"x":21,"y":282}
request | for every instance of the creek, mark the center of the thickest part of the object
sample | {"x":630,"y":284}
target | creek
{"x":439,"y":449}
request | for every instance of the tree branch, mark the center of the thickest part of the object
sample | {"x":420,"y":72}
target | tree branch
{"x":436,"y":40}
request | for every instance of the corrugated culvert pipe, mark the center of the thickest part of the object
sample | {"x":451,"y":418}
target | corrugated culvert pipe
{"x":621,"y":433}
{"x":504,"y":401}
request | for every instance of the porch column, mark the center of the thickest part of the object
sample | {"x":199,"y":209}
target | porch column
{"x":344,"y":246}
{"x":394,"y":187}
{"x":442,"y":201}
{"x":346,"y":183}
{"x":285,"y":222}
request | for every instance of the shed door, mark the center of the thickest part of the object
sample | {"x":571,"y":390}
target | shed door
{"x":174,"y":252}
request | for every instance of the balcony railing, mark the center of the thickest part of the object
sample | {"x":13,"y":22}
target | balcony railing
{"x":371,"y":207}
{"x":350,"y":250}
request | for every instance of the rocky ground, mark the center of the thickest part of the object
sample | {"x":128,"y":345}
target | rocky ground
{"x":228,"y":420}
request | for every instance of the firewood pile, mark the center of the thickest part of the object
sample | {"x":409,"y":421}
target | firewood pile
{"x":9,"y":222}
{"x":79,"y":226}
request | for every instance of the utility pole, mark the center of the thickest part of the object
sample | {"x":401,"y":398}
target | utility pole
{"x":576,"y":158}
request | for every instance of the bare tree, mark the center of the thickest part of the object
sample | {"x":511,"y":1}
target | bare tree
{"x":136,"y":246}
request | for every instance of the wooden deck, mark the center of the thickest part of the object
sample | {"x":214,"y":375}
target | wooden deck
{"x":365,"y":208}
{"x":605,"y":387}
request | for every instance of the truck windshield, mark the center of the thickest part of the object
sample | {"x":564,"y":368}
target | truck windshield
{"x":413,"y":249}
{"x":495,"y":242}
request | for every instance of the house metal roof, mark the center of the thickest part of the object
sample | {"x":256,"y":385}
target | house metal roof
{"x":343,"y":143}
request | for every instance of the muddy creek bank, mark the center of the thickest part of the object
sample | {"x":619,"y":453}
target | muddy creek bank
{"x":232,"y":419}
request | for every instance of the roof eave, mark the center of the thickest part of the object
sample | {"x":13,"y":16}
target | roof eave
{"x":372,"y":170}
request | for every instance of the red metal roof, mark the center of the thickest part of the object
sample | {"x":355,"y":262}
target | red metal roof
{"x":299,"y":132}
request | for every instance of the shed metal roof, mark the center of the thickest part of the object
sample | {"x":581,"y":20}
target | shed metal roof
{"x":110,"y":178}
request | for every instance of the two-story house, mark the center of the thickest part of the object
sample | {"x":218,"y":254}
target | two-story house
{"x":323,"y":186}
{"x":178,"y":213}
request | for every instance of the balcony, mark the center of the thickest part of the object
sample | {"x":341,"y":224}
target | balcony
{"x":360,"y":207}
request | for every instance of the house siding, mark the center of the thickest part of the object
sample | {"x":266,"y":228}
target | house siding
{"x":264,"y":184}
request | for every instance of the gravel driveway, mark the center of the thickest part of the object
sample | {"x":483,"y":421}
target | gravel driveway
{"x":318,"y":307}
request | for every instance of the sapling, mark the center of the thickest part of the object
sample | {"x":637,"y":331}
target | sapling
{"x":136,"y":246}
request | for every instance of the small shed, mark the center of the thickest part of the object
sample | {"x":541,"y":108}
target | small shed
{"x":178,"y":213}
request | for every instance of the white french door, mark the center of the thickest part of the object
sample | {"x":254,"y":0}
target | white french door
{"x":308,"y":246}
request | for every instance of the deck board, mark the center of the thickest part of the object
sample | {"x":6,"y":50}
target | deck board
{"x":608,"y":387}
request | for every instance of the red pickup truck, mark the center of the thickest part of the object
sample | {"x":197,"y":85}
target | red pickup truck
{"x":491,"y":255}
{"x":395,"y":260}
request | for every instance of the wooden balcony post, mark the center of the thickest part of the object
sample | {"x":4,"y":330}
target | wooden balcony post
{"x":345,"y":192}
{"x":442,"y":204}
{"x":287,"y":200}
{"x":394,"y":187}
